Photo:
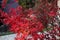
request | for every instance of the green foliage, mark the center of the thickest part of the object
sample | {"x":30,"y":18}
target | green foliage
{"x":27,"y":3}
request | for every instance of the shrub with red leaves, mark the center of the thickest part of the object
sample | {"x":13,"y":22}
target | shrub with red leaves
{"x":32,"y":22}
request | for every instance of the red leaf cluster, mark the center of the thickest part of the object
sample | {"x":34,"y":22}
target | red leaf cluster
{"x":28,"y":21}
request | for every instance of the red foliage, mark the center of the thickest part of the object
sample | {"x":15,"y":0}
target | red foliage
{"x":52,"y":13}
{"x":27,"y":21}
